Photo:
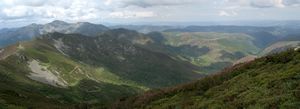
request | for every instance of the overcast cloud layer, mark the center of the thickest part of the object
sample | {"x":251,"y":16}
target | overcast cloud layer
{"x":23,"y":12}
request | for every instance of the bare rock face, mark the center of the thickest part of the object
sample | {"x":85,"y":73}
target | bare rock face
{"x":42,"y":74}
{"x":297,"y":48}
{"x":59,"y":45}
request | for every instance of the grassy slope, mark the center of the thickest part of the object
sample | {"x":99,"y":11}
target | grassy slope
{"x":122,"y":53}
{"x":87,"y":86}
{"x":54,"y":60}
{"x":269,"y":82}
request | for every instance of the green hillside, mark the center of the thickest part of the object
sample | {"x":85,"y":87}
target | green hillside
{"x":72,"y":70}
{"x":268,"y":82}
{"x":84,"y":86}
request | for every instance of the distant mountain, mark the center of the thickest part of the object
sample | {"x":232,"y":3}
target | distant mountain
{"x":268,"y":82}
{"x":211,"y":51}
{"x":282,"y":44}
{"x":84,"y":28}
{"x":210,"y":47}
{"x":76,"y":71}
{"x":145,"y":28}
{"x":263,"y":36}
{"x":291,"y":37}
{"x":11,"y":36}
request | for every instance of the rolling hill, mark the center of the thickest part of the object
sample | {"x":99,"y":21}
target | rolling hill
{"x":211,"y":51}
{"x":263,"y":36}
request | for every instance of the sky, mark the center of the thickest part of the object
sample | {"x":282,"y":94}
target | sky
{"x":22,"y":12}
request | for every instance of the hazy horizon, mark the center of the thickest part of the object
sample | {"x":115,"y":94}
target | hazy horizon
{"x":258,"y":23}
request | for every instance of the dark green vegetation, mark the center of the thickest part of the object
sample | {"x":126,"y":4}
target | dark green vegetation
{"x":124,"y":53}
{"x":269,"y":82}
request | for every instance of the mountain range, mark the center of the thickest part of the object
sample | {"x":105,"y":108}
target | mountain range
{"x":85,"y":65}
{"x":65,"y":67}
{"x":10,"y":36}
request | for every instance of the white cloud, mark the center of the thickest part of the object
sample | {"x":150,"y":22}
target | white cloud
{"x":71,"y":10}
{"x":292,"y":2}
{"x":108,"y":2}
{"x":267,"y":3}
{"x":132,"y":14}
{"x":33,"y":3}
{"x":279,"y":3}
{"x":227,"y":13}
{"x":139,"y":10}
{"x":16,"y":12}
{"x":263,"y":3}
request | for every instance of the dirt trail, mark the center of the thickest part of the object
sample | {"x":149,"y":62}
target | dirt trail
{"x":75,"y":68}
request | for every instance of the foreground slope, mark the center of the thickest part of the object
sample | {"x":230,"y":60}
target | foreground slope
{"x":268,"y":82}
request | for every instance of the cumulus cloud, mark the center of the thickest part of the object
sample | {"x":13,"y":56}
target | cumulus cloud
{"x":34,"y":3}
{"x":108,"y":2}
{"x":291,"y":2}
{"x":227,"y":13}
{"x":264,"y":3}
{"x":267,"y":3}
{"x":165,"y":10}
{"x":132,"y":14}
{"x":71,"y":10}
{"x":153,"y":3}
{"x":19,"y":11}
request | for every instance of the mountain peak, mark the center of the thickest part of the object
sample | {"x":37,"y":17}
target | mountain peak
{"x":84,"y":23}
{"x":58,"y":22}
